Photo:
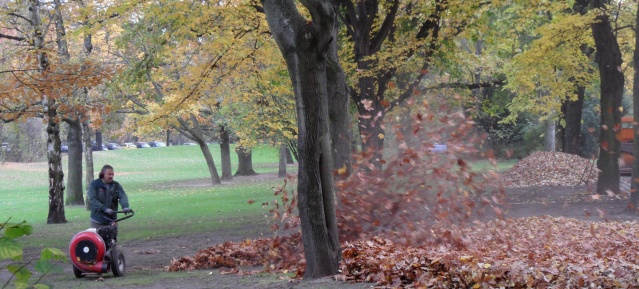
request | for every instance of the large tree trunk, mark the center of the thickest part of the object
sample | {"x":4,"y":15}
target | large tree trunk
{"x":608,"y":58}
{"x":244,"y":162}
{"x":88,"y":160}
{"x":56,"y":175}
{"x":75,"y":191}
{"x":634,"y":185}
{"x":315,"y":171}
{"x":281,"y":172}
{"x":305,"y":46}
{"x":225,"y":151}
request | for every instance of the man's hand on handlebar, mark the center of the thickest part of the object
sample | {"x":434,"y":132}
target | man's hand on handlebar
{"x":127,"y":211}
{"x":108,"y":211}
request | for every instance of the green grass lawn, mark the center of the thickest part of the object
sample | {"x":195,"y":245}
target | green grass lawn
{"x":167,"y":187}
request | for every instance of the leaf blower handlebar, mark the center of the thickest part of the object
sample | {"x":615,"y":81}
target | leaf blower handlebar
{"x":128,"y":214}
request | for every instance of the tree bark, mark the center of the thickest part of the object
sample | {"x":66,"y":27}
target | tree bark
{"x":56,"y":175}
{"x":338,"y":110}
{"x":98,"y":140}
{"x":289,"y":156}
{"x":281,"y":172}
{"x":549,"y":136}
{"x":192,"y":131}
{"x":244,"y":162}
{"x":305,"y":47}
{"x":571,"y":136}
{"x":88,"y":160}
{"x":54,"y":159}
{"x":225,"y":151}
{"x":215,"y":177}
{"x":634,"y":185}
{"x":608,"y":58}
{"x":75,"y":191}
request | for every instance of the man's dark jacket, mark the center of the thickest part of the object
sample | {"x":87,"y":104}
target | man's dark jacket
{"x":103,"y":196}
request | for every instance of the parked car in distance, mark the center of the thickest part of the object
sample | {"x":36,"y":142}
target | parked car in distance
{"x":142,"y":145}
{"x":5,"y":147}
{"x":64,"y":148}
{"x":113,"y":146}
{"x":129,"y":145}
{"x":95,"y":147}
{"x":157,"y":144}
{"x":189,"y":144}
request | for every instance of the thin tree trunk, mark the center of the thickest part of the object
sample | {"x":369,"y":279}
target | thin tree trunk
{"x":281,"y":172}
{"x":98,"y":140}
{"x":75,"y":191}
{"x":56,"y":175}
{"x":608,"y":58}
{"x":289,"y":156}
{"x":215,"y":177}
{"x":168,"y":137}
{"x":549,"y":136}
{"x":88,"y":161}
{"x":634,"y":185}
{"x":225,"y":151}
{"x":244,"y":162}
{"x":54,"y":159}
{"x":193,"y":132}
{"x":571,"y":136}
{"x":338,"y":112}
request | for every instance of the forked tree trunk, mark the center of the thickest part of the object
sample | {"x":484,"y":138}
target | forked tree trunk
{"x":608,"y":58}
{"x":244,"y":162}
{"x":225,"y":151}
{"x":305,"y":47}
{"x":75,"y":191}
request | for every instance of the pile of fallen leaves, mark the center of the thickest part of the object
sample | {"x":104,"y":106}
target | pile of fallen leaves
{"x":272,"y":253}
{"x":551,"y":169}
{"x":515,"y":253}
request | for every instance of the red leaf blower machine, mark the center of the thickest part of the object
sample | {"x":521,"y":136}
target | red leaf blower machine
{"x":95,"y":250}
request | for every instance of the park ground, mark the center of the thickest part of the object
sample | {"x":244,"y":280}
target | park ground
{"x":148,"y":258}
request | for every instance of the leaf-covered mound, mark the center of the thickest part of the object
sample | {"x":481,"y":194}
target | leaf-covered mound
{"x":515,"y":253}
{"x":550,"y":169}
